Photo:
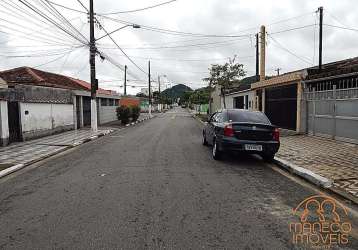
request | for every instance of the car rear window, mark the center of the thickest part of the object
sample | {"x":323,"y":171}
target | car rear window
{"x":246,"y":116}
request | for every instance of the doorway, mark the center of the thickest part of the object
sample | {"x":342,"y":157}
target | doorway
{"x":14,"y":122}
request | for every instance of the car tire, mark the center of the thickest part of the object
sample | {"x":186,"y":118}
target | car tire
{"x":268,"y":157}
{"x":205,"y":142}
{"x":216,"y":153}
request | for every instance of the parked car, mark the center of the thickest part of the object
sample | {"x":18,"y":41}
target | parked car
{"x":239,"y":130}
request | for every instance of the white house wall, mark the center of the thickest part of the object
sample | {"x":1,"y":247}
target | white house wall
{"x":230,"y":99}
{"x":41,"y":119}
{"x":107,"y":114}
{"x":4,"y":128}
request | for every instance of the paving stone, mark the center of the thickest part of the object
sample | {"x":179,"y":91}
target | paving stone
{"x":331,"y":159}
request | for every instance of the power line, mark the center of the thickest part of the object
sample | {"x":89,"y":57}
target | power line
{"x":54,"y":60}
{"x":141,"y":9}
{"x":173,"y":32}
{"x":291,"y":29}
{"x":65,"y":7}
{"x":69,"y":24}
{"x":289,"y":51}
{"x":340,"y":27}
{"x":46,"y":17}
{"x":186,"y":46}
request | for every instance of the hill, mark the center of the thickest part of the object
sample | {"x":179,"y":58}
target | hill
{"x":176,"y":91}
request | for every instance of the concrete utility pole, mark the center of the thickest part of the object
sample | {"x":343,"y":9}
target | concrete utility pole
{"x":94,"y":82}
{"x":320,"y":9}
{"x":257,"y":58}
{"x":262,"y":53}
{"x":149,"y":91}
{"x":125,"y":80}
{"x":160,"y":103}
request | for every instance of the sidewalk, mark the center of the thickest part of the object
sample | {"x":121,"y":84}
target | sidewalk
{"x":20,"y":154}
{"x":335,"y":161}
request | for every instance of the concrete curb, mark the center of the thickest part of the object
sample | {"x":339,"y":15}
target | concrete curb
{"x":11,"y":170}
{"x":197,"y":118}
{"x":304,"y":173}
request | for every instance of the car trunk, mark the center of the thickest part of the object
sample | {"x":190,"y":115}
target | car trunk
{"x":253,"y":132}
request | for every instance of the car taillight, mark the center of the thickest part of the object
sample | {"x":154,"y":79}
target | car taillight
{"x":228,"y":130}
{"x":276,"y":135}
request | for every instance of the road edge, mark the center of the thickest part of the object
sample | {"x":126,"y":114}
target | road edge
{"x":307,"y":175}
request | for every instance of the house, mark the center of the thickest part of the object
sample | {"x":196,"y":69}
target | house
{"x":239,"y":95}
{"x":35,"y":103}
{"x":331,"y":98}
{"x":280,"y":98}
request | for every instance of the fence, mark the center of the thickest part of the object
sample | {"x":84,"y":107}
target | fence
{"x":332,"y":109}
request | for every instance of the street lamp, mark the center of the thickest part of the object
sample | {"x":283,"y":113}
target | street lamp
{"x":134,"y":26}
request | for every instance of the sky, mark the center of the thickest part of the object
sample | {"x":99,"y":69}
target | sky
{"x":206,"y":32}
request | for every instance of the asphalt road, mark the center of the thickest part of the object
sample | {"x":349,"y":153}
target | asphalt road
{"x":152,"y":186}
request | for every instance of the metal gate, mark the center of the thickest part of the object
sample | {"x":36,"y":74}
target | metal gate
{"x":281,"y":106}
{"x":332,"y":108}
{"x":86,"y":111}
{"x":14,"y":122}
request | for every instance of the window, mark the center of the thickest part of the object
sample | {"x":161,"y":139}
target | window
{"x":104,"y":102}
{"x":247,"y":116}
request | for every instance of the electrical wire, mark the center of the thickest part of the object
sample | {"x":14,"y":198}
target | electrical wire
{"x":55,"y":11}
{"x":46,"y":17}
{"x":141,"y":9}
{"x":340,"y":27}
{"x":65,"y":7}
{"x":291,"y":29}
{"x":173,"y":32}
{"x":289,"y":51}
{"x":54,"y":60}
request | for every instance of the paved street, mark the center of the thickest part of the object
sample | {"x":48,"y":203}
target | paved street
{"x":152,"y":186}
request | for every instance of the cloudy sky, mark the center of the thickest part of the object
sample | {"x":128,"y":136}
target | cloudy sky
{"x":181,"y":38}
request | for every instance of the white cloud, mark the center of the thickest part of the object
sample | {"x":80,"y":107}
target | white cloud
{"x":200,"y":16}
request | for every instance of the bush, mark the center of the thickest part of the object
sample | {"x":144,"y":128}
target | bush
{"x":135,"y":113}
{"x":123,"y":114}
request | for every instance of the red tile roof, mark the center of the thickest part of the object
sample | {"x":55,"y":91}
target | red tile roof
{"x":31,"y":76}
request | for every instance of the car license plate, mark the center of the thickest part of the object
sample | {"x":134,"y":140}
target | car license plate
{"x":253,"y":147}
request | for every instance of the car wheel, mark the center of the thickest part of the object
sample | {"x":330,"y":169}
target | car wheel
{"x":205,"y":142}
{"x":216,"y":152}
{"x":268,"y":157}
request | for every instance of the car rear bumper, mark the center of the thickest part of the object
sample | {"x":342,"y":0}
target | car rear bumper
{"x":233,"y":144}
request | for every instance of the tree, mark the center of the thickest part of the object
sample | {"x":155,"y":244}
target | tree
{"x":225,"y":75}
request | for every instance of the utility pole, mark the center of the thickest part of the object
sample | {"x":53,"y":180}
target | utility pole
{"x":262,"y":53}
{"x":149,"y":91}
{"x":125,"y":80}
{"x":320,"y":9}
{"x":278,"y":71}
{"x":257,"y":58}
{"x":94,"y":82}
{"x":160,"y":103}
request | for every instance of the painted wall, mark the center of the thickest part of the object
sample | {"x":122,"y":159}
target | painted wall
{"x":41,"y":119}
{"x":230,"y":99}
{"x":107,"y":114}
{"x":4,"y":127}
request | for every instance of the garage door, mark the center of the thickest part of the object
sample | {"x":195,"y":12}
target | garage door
{"x":281,"y":106}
